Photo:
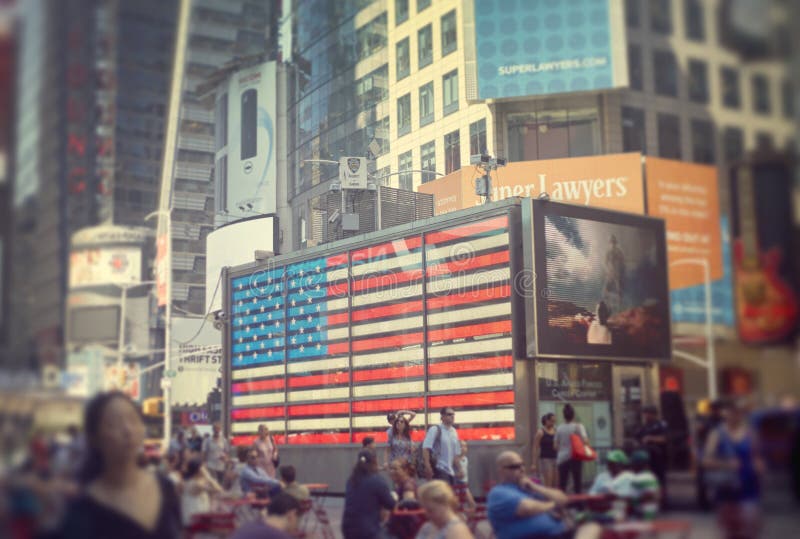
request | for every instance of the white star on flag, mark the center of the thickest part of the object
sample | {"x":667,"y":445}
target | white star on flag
{"x":277,"y":342}
{"x":247,"y":347}
{"x":269,"y":335}
{"x":261,"y":326}
{"x":294,"y":303}
{"x":254,"y":300}
{"x":302,"y":310}
{"x":277,"y":324}
{"x":248,"y":329}
{"x":269,"y":280}
{"x":302,"y":329}
{"x":310,"y":339}
{"x":309,"y":318}
{"x":317,"y":288}
{"x":294,"y":341}
{"x":269,"y":353}
{"x":292,"y":283}
{"x":301,"y":273}
{"x":255,"y":337}
{"x":247,"y":312}
{"x":262,"y":346}
{"x":269,"y":316}
{"x":309,"y":300}
{"x":241,"y":340}
{"x":317,"y":268}
{"x":301,"y":291}
{"x":319,"y":346}
{"x":262,"y":308}
{"x":277,"y":306}
{"x":255,"y":355}
{"x":294,"y":321}
{"x":302,"y":348}
{"x":241,"y":286}
{"x":240,"y":303}
{"x":319,"y":327}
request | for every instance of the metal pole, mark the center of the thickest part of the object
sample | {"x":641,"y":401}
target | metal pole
{"x":121,"y":336}
{"x":168,"y":336}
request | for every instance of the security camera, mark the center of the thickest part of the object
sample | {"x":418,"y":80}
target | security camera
{"x":334,"y":216}
{"x":501,"y":161}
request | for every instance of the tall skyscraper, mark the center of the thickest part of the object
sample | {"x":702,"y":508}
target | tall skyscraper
{"x":219,"y":32}
{"x":91,"y":82}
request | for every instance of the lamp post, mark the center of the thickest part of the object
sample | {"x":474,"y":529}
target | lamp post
{"x":167,"y":273}
{"x":710,"y":363}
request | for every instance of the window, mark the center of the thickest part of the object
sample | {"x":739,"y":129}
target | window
{"x":702,"y":141}
{"x":694,"y":19}
{"x":425,"y":46}
{"x":669,"y":136}
{"x":423,"y":4}
{"x":477,"y":137}
{"x":698,"y":81}
{"x":732,"y":144}
{"x":632,"y":12}
{"x":400,"y":11}
{"x":452,"y":152}
{"x":730,"y":87}
{"x":404,"y":163}
{"x":449,"y":33}
{"x":428,"y":161}
{"x":761,"y":102}
{"x":450,"y":92}
{"x":666,"y":73}
{"x":787,"y":97}
{"x":633,"y":130}
{"x":371,"y":37}
{"x":404,"y":115}
{"x":661,"y":16}
{"x":426,"y":104}
{"x":553,"y":134}
{"x":635,"y":67}
{"x":403,"y":59}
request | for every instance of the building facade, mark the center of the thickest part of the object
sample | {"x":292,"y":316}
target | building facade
{"x":90,"y":79}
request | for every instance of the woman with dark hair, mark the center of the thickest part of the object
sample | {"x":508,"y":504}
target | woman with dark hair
{"x":544,"y":452}
{"x":400,"y":445}
{"x":563,"y":446}
{"x":367,"y":500}
{"x":120,"y":499}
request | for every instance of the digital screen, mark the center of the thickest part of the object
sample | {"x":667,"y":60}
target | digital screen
{"x":601,"y":284}
{"x":94,"y":324}
{"x":322,"y":349}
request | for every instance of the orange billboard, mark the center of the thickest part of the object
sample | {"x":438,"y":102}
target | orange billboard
{"x":610,"y":181}
{"x":685,"y":196}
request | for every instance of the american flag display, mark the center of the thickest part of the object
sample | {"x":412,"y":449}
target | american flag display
{"x":321,"y":350}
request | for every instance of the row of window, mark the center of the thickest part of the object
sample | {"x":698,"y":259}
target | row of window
{"x":449,"y":38}
{"x":661,"y":17}
{"x":666,"y":82}
{"x":401,"y":9}
{"x":452,"y":154}
{"x":426,"y":103}
{"x":668,"y":128}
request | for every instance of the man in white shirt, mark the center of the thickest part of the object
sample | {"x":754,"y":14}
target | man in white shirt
{"x":442,"y":443}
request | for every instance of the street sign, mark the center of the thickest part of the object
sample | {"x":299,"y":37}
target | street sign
{"x":171,"y":373}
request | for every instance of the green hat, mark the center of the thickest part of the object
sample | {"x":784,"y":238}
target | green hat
{"x":617,"y":456}
{"x":640,"y":456}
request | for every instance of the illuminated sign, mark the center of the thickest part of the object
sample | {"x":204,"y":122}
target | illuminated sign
{"x":600,"y":284}
{"x":323,"y":348}
{"x":535,"y":48}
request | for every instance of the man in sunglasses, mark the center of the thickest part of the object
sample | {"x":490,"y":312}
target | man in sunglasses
{"x":441,"y":449}
{"x":519,"y":508}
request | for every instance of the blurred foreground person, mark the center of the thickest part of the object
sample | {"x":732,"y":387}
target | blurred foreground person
{"x":518,"y":508}
{"x":733,"y":465}
{"x":440,"y":506}
{"x":197,"y":490}
{"x":367,"y":500}
{"x":120,"y":500}
{"x":281,"y":521}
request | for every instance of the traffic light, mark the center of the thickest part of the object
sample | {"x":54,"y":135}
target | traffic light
{"x":154,"y":406}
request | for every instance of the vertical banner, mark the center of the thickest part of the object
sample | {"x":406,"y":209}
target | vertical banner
{"x":161,"y":264}
{"x":252,"y":171}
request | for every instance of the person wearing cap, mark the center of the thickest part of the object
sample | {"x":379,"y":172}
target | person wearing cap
{"x":652,"y":437}
{"x":646,"y":487}
{"x":367,"y":500}
{"x":616,"y":479}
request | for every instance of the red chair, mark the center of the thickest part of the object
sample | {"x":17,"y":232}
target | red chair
{"x":222,"y":524}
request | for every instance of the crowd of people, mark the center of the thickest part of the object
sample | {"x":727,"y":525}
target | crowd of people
{"x":101,"y":484}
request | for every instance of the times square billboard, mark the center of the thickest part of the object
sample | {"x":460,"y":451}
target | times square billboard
{"x":527,"y":47}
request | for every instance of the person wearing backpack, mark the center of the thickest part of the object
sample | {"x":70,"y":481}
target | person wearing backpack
{"x":567,"y":465}
{"x":441,"y":449}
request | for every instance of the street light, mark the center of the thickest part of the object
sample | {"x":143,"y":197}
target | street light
{"x":124,"y":287}
{"x":167,"y":273}
{"x":710,"y":363}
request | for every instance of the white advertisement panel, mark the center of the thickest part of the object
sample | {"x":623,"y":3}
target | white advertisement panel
{"x":251,"y":173}
{"x":197,"y":361}
{"x":234,"y":244}
{"x":106,"y":265}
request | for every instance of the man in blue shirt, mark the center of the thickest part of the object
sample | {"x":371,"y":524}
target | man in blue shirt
{"x":254,"y":478}
{"x":519,"y":508}
{"x":441,"y":441}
